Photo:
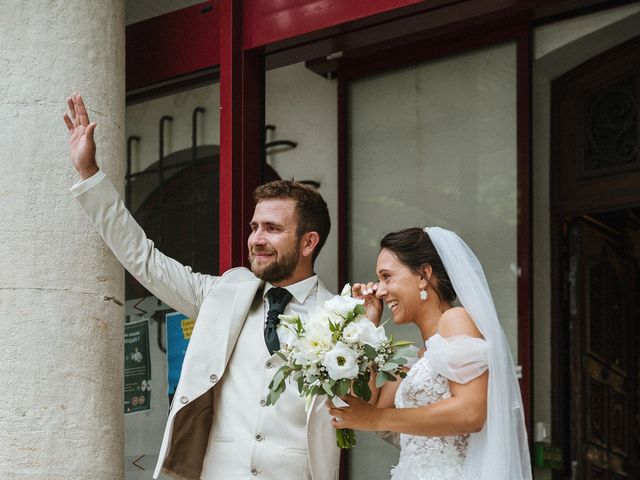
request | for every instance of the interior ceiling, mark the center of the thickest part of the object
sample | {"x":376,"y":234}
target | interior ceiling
{"x":138,"y":10}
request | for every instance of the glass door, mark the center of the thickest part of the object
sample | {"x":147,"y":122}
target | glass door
{"x":434,"y":144}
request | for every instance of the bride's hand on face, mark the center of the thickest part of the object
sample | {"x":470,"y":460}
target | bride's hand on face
{"x":359,"y":415}
{"x":372,"y":304}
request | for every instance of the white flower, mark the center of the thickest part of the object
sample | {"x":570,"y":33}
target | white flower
{"x":314,"y":344}
{"x":362,"y":330}
{"x":341,"y":362}
{"x":342,"y":305}
{"x":346,"y":290}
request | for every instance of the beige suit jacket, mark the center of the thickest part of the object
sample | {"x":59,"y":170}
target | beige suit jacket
{"x":220,"y":306}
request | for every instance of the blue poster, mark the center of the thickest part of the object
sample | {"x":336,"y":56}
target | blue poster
{"x":179,"y":329}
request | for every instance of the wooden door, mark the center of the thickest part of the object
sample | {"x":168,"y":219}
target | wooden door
{"x":604,"y":353}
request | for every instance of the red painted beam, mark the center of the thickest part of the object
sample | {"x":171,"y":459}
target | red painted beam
{"x":276,"y":20}
{"x":172,"y":45}
{"x":241,"y":120}
{"x":230,"y":128}
{"x":187,"y":41}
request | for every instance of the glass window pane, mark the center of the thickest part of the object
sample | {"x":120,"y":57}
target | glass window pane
{"x":435,"y":144}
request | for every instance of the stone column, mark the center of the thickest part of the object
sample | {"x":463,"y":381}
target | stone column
{"x":61,"y":318}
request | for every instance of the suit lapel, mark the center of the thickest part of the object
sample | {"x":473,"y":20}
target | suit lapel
{"x":241,"y":304}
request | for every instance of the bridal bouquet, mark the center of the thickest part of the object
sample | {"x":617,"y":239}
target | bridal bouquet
{"x":333,"y":352}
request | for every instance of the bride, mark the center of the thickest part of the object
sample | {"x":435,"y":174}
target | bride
{"x":459,"y":409}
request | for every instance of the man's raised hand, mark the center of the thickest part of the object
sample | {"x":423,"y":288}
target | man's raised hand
{"x":83,"y":147}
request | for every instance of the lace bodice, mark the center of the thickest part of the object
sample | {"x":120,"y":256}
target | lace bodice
{"x":427,"y":458}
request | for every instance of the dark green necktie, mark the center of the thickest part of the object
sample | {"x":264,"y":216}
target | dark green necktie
{"x":278,"y":300}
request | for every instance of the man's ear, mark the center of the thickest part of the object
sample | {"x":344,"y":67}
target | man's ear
{"x":309,"y":241}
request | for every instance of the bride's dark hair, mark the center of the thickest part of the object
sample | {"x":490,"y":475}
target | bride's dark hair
{"x":414,"y":248}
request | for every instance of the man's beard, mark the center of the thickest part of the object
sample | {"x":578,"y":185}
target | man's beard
{"x":278,"y":270}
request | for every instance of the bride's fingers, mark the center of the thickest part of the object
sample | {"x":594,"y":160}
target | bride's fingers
{"x":333,"y":411}
{"x":357,"y":290}
{"x":371,"y":288}
{"x":364,"y":289}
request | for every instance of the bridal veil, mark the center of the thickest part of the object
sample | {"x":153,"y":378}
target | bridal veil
{"x":500,"y":450}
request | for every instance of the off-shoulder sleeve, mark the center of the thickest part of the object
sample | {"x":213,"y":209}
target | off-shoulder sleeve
{"x":460,"y":358}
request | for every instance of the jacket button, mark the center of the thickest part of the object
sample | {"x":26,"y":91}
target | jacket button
{"x":269,"y":364}
{"x":184,"y":400}
{"x":213,"y":378}
{"x":254,"y":472}
{"x":259,"y":437}
{"x":263,"y":402}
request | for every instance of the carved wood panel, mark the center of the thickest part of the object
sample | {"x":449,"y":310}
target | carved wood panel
{"x":595,"y":133}
{"x":604,"y":382}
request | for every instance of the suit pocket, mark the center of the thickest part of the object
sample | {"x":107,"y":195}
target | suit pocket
{"x":297,"y":451}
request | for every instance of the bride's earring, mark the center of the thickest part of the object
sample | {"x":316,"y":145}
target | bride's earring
{"x":423,"y":294}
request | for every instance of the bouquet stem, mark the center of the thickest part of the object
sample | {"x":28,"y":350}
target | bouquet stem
{"x":346,"y":438}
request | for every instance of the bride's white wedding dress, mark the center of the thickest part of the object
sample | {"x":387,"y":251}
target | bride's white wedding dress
{"x":500,"y":450}
{"x":437,"y":458}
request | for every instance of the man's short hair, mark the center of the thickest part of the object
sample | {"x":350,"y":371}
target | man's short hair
{"x":313,"y":214}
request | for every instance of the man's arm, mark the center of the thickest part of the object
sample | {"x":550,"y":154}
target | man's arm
{"x":169,"y":280}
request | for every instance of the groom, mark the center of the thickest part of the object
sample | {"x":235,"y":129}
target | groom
{"x":229,"y":362}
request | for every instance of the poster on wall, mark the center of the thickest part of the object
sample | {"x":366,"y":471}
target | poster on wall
{"x":137,"y":367}
{"x":179,"y":329}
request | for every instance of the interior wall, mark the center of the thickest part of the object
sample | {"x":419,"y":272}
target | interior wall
{"x":304,"y":108}
{"x":559,"y":47}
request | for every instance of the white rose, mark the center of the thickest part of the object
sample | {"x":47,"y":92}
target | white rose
{"x":314,"y":344}
{"x":362,"y":330}
{"x":342,"y":305}
{"x":316,"y":319}
{"x":341,"y":362}
{"x":378,"y":336}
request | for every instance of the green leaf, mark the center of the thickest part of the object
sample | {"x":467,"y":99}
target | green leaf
{"x":357,"y":388}
{"x":384,"y":377}
{"x":389,"y":367}
{"x":281,"y":355}
{"x":344,"y":386}
{"x":399,"y":360}
{"x":327,"y":388}
{"x":272,"y":398}
{"x":401,"y":343}
{"x":359,"y":310}
{"x":279,"y":377}
{"x":370,"y":352}
{"x":366,"y":392}
{"x":300,"y":383}
{"x":389,"y":377}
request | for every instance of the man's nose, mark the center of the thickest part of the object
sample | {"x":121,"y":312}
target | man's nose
{"x":257,"y":238}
